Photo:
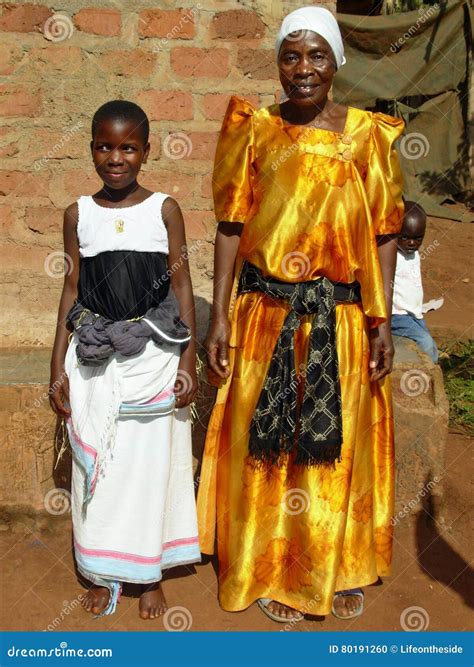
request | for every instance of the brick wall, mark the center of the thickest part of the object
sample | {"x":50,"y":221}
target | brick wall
{"x":180,"y":62}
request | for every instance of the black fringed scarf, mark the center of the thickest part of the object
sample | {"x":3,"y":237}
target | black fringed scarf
{"x":278,"y":421}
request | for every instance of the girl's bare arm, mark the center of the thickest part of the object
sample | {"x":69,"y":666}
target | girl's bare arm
{"x":59,"y":386}
{"x":178,"y":265}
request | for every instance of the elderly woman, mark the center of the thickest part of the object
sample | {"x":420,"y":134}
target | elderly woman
{"x":298,"y":466}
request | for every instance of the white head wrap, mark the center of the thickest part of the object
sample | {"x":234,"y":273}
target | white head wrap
{"x":316,"y":19}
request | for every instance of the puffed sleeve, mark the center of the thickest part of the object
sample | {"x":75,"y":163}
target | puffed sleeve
{"x":384,"y":181}
{"x":233,"y":172}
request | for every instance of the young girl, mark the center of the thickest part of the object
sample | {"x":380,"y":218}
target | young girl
{"x":126,"y":379}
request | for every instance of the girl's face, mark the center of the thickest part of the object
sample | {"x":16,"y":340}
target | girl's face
{"x":118,"y":152}
{"x":307,"y":66}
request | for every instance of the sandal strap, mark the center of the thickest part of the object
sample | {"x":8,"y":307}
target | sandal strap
{"x":350,"y":591}
{"x":265,"y":601}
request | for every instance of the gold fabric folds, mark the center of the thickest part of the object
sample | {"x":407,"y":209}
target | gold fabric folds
{"x":312,"y":202}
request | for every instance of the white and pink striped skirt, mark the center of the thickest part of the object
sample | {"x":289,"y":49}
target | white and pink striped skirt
{"x":133,"y":506}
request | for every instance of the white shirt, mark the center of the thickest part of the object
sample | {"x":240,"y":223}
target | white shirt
{"x":139,"y":227}
{"x":407,"y":287}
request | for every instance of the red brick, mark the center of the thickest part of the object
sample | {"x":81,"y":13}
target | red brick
{"x":166,"y":104}
{"x":57,"y":58}
{"x":203,"y":145}
{"x":10,"y":398}
{"x":72,"y":142}
{"x":257,"y":63}
{"x":181,"y":187}
{"x":136,"y":62}
{"x":168,"y":24}
{"x":19,"y":101}
{"x":19,"y":183}
{"x":191,"y":61}
{"x":44,"y":219}
{"x":9,"y":149}
{"x":24,"y":261}
{"x":198,"y":224}
{"x":206,"y":186}
{"x":23,"y":18}
{"x":237,"y":24}
{"x":155,"y":149}
{"x":9,"y":137}
{"x":8,"y":216}
{"x":10,"y":56}
{"x":106,"y":22}
{"x":79,"y":182}
{"x":214,"y":105}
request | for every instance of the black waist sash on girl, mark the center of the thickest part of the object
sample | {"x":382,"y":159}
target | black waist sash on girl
{"x":279,"y":421}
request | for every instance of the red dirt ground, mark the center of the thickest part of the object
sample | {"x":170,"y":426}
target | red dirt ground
{"x":431,"y":571}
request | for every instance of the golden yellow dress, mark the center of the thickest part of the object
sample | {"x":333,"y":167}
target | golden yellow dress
{"x":312,"y":202}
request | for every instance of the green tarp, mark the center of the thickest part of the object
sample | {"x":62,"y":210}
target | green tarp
{"x":415,"y":65}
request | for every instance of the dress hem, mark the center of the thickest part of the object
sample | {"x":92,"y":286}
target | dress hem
{"x":313,"y":611}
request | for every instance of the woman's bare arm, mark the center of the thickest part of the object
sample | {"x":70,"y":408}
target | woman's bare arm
{"x":381,"y":344}
{"x":225,"y":251}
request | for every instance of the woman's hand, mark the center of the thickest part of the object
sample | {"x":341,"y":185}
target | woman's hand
{"x":186,"y":384}
{"x":59,"y":393}
{"x":217,"y":346}
{"x":381,"y":352}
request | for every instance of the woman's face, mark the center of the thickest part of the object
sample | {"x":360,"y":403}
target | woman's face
{"x":307,"y":66}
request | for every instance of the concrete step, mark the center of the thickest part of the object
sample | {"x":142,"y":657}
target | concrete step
{"x":31,"y":434}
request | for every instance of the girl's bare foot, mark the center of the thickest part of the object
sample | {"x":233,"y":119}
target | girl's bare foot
{"x":152,"y":602}
{"x":96,"y":599}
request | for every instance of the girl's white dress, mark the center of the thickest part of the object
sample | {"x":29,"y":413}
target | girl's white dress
{"x":133,"y":507}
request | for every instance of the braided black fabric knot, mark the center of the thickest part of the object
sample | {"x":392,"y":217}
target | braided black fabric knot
{"x":281,"y":423}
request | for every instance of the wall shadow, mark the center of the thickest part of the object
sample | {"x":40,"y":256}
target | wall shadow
{"x":437,"y":557}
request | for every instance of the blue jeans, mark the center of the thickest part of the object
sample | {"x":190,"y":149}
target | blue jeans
{"x":409,"y":326}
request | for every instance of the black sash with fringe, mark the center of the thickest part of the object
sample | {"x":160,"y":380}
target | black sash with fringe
{"x":279,"y":421}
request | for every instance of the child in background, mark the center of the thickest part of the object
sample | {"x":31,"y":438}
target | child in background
{"x":407,"y":316}
{"x":128,"y":375}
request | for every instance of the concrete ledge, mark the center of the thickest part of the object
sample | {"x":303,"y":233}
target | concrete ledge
{"x":30,"y":436}
{"x":421,"y":412}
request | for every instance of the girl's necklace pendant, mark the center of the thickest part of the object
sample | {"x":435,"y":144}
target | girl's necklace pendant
{"x":119,"y":226}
